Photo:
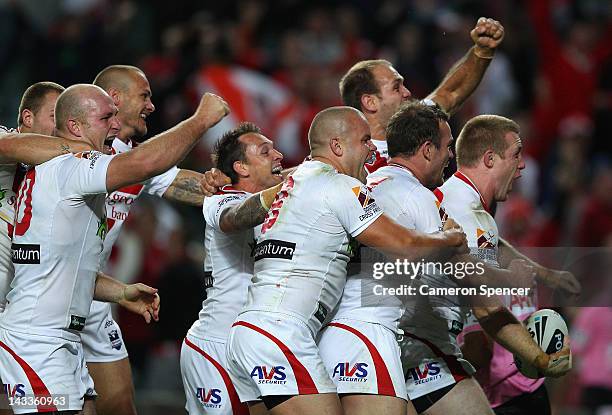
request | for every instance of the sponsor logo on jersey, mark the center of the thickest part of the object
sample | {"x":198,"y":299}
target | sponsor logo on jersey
{"x":108,"y":323}
{"x":357,"y":373}
{"x":363,"y":195}
{"x":25,"y":253}
{"x":321,"y":312}
{"x":274,"y":248}
{"x":428,"y":372}
{"x":76,"y":323}
{"x":113,"y":336}
{"x":275,"y":374}
{"x":2,"y":195}
{"x":210,"y":398}
{"x":15,"y":391}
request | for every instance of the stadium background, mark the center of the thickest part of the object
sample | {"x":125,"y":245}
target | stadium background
{"x":278,"y":63}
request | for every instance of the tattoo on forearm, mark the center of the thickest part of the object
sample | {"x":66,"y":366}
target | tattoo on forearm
{"x":248,"y":214}
{"x":186,"y":190}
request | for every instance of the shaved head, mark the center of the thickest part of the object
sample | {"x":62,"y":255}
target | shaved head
{"x":117,"y":76}
{"x":329,"y":123}
{"x":75,"y":103}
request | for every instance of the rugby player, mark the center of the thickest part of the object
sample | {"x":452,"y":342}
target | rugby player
{"x":300,"y":268}
{"x":252,"y":163}
{"x":59,"y":232}
{"x":36,"y":115}
{"x":489,"y":160}
{"x":103,"y":345}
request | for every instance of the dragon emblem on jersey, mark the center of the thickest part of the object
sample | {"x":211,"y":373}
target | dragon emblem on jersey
{"x":485,"y":239}
{"x":102,"y":227}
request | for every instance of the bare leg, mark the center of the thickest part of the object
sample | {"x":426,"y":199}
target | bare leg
{"x":113,"y":383}
{"x":466,"y":398}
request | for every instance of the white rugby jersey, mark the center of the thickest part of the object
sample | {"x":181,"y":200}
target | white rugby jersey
{"x":304,"y":246}
{"x":7,"y":185}
{"x":463,"y":202}
{"x":228,"y":267}
{"x":60,"y":226}
{"x":118,"y":205}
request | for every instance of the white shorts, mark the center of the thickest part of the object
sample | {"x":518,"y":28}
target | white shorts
{"x":363,"y":358}
{"x":101,"y":336}
{"x":40,"y":366}
{"x":208,"y":387}
{"x":434,"y":369}
{"x":274,"y":354}
{"x":7,"y":271}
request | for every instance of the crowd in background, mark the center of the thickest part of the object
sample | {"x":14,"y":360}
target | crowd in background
{"x":278,"y":63}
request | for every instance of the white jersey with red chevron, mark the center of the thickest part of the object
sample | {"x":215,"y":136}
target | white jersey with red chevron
{"x":304,"y":246}
{"x":228,"y":267}
{"x":60,"y":225}
{"x":8,"y":187}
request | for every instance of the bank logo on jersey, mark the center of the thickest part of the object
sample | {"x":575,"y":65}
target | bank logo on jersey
{"x":347,"y":373}
{"x":485,"y":239}
{"x":265,"y":374}
{"x":425,"y":373}
{"x":211,"y":398}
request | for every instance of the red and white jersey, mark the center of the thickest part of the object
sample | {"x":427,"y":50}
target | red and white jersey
{"x":60,"y":227}
{"x":119,"y":202}
{"x":8,"y":186}
{"x":304,"y":246}
{"x":381,"y":155}
{"x":228,"y":268}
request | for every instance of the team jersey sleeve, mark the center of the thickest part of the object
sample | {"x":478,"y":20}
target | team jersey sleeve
{"x":158,"y":185}
{"x":214,"y":207}
{"x":421,"y":206}
{"x":353,"y":204}
{"x":84,"y":173}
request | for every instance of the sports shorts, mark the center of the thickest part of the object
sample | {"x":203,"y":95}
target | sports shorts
{"x":49,"y":371}
{"x":7,"y":271}
{"x":101,"y":336}
{"x":271,"y":354}
{"x":363,"y":358}
{"x":433,"y":369}
{"x":208,"y":387}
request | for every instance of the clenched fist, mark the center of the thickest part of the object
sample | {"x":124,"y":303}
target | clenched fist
{"x":487,"y":36}
{"x":211,"y":110}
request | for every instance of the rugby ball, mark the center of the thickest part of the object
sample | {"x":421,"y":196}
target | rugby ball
{"x":548,"y":329}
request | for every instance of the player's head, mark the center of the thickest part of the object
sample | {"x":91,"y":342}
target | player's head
{"x":421,"y":132}
{"x":375,"y":88}
{"x":492,"y":144}
{"x":86,"y":112}
{"x":342,"y":135}
{"x":248,"y":157}
{"x":37,"y":108}
{"x":129,"y":88}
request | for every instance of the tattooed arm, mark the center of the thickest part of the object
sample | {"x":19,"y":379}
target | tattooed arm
{"x":186,"y":188}
{"x":249,"y":213}
{"x":35,"y":149}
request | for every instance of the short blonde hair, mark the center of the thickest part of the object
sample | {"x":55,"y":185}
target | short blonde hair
{"x":482,"y":133}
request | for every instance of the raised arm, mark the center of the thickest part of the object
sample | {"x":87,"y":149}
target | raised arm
{"x":35,"y":149}
{"x":186,"y":188}
{"x":166,"y":149}
{"x":463,"y":78}
{"x":249,"y":213}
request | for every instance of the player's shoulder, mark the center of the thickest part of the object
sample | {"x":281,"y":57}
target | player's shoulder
{"x":223,"y":196}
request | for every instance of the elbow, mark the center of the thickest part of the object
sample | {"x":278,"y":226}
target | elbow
{"x":483,"y":313}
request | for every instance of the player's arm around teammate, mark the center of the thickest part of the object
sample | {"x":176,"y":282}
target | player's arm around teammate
{"x":34,"y":149}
